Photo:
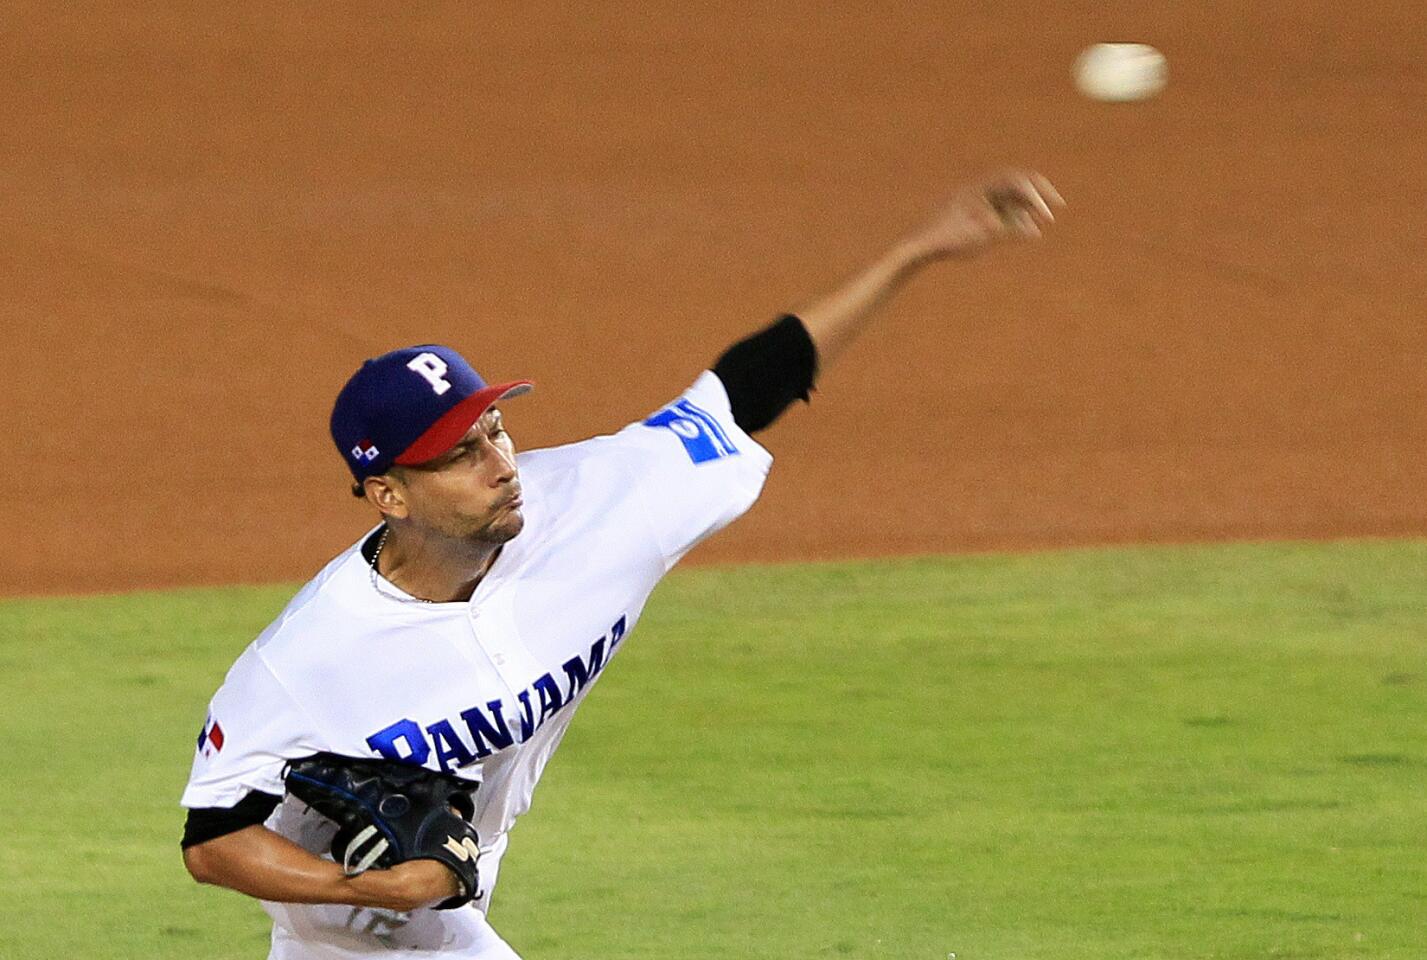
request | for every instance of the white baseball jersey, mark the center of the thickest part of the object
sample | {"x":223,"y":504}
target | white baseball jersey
{"x":483,"y":688}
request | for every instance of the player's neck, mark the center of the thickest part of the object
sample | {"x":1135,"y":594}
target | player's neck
{"x":433,"y":567}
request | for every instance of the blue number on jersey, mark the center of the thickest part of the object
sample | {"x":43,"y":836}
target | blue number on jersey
{"x":701,"y":434}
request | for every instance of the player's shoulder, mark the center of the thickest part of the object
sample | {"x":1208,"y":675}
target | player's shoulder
{"x":334,"y":604}
{"x":699,"y":421}
{"x":563,"y":483}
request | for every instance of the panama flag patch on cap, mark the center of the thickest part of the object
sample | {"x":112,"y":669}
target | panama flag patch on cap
{"x":210,"y":739}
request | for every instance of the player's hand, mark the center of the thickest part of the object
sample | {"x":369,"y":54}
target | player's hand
{"x":1010,"y":205}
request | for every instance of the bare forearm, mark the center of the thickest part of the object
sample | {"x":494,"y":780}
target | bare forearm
{"x":1009,"y":206}
{"x":834,"y":319}
{"x":260,"y":863}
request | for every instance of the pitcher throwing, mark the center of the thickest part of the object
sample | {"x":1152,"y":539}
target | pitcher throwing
{"x":447,"y":650}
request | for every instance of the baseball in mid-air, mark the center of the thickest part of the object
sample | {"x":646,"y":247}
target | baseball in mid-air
{"x":1121,"y":72}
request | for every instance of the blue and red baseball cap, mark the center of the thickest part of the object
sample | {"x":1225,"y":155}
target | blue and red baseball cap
{"x":410,"y":406}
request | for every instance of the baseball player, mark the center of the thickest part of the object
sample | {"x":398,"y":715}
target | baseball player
{"x":457,"y":637}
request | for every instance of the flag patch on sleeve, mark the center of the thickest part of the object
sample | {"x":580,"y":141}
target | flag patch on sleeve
{"x":696,"y":428}
{"x":210,"y":738}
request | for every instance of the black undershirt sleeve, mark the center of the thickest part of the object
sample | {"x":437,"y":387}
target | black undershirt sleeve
{"x":209,"y":823}
{"x":767,"y":371}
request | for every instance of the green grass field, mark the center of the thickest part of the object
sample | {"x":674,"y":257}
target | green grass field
{"x":1151,"y":753}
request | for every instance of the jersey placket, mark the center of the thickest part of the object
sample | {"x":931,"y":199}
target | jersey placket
{"x":491,"y":618}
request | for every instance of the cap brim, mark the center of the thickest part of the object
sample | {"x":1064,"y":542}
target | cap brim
{"x":453,"y":425}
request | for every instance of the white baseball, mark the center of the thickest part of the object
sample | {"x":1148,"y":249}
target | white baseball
{"x":1121,"y":72}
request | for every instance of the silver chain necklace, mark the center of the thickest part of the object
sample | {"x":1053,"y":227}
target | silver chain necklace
{"x":376,"y":577}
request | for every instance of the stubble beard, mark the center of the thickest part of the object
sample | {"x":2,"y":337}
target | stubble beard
{"x":500,"y":530}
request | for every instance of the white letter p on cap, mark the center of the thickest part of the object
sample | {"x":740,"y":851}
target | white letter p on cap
{"x":433,"y":368}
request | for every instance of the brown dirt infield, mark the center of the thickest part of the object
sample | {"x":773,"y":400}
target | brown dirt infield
{"x":212,"y":215}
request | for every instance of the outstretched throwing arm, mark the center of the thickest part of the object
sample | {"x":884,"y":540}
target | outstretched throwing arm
{"x":1011,"y":205}
{"x":767,"y":371}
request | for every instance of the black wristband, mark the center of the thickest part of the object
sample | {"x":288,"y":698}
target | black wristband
{"x":209,"y":823}
{"x":766,"y":372}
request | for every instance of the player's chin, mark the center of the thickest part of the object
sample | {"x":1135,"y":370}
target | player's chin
{"x":507,"y":522}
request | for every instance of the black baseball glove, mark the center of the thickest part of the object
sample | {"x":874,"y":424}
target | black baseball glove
{"x":388,"y":812}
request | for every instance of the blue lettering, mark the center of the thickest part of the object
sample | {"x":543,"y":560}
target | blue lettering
{"x":483,"y":732}
{"x":385,"y":742}
{"x":579,"y":674}
{"x":450,"y":751}
{"x":703,"y":438}
{"x":527,"y":716}
{"x":404,"y":741}
{"x":550,"y":699}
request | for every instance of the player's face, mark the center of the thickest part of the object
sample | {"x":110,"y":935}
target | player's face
{"x":472,"y":491}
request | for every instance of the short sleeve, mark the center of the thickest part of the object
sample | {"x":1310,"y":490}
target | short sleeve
{"x":252,"y":728}
{"x":695,"y":470}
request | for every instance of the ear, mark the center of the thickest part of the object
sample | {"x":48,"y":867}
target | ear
{"x":387,"y":494}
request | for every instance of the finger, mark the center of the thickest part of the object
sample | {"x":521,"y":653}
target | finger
{"x":1029,"y":192}
{"x":1017,"y":211}
{"x":1016,"y":195}
{"x":1047,"y":189}
{"x":1031,"y":186}
{"x":1034,"y":187}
